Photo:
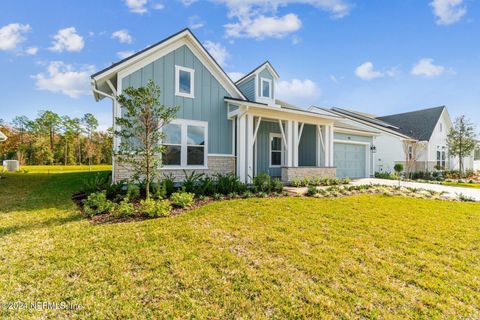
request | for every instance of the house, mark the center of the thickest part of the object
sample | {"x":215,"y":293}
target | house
{"x":429,"y":127}
{"x":226,"y":127}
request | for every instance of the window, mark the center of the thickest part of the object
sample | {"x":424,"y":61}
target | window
{"x":276,"y":150}
{"x":441,"y":157}
{"x":265,"y":88}
{"x":410,"y":152}
{"x":185,"y":144}
{"x":184,"y":82}
{"x":441,"y":127}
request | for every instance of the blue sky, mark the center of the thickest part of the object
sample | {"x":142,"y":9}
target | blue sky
{"x":380,"y":57}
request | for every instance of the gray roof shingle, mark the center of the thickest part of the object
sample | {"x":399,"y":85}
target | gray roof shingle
{"x":416,"y":124}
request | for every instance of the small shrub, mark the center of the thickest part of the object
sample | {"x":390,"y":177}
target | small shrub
{"x":96,"y":182}
{"x":168,"y":182}
{"x":312,"y":190}
{"x":464,"y":198}
{"x":182,"y":199}
{"x":97,"y":203}
{"x":124,"y":209}
{"x":233,"y":195}
{"x":277,"y":185}
{"x":229,"y":183}
{"x":262,"y":194}
{"x":296,"y":182}
{"x":218,"y":196}
{"x":155,"y":208}
{"x":384,"y":175}
{"x":247,"y":194}
{"x":206,"y":186}
{"x":133,"y":192}
{"x":159,"y":191}
{"x":262,"y":183}
{"x":191,"y":181}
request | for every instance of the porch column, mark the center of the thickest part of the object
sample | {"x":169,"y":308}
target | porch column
{"x":241,"y":147}
{"x":295,"y":144}
{"x":330,"y":140}
{"x":250,"y":148}
{"x":326,"y":147}
{"x":290,"y":146}
{"x":320,"y":145}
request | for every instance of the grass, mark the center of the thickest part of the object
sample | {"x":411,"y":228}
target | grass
{"x":462,"y":184}
{"x":368,"y":256}
{"x":63,"y":169}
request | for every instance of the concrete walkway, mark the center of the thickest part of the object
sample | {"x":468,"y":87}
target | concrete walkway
{"x":452,"y":192}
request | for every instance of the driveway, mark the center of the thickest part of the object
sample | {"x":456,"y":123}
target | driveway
{"x":452,"y":192}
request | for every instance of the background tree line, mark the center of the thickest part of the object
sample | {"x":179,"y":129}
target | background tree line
{"x":54,"y":139}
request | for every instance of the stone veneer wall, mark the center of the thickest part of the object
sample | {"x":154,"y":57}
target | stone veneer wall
{"x":216,"y":165}
{"x":290,"y":173}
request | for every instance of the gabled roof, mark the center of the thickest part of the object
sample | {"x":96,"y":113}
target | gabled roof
{"x":366,"y":118}
{"x":266,"y":64}
{"x":417,"y":124}
{"x":111,"y":71}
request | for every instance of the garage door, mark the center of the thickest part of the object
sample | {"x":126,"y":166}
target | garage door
{"x":349,"y":160}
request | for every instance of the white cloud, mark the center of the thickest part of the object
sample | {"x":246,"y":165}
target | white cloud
{"x":12,"y":35}
{"x":218,"y":52}
{"x":124,"y":54}
{"x":67,"y":40}
{"x":137,"y":6}
{"x":188,"y":3}
{"x":296,"y":40}
{"x":259,"y":19}
{"x":31,"y":51}
{"x":426,"y":68}
{"x":366,"y":71}
{"x":123,"y":36}
{"x":158,"y":6}
{"x":299,"y":92}
{"x":195,"y":22}
{"x":66,"y":79}
{"x":262,"y":27}
{"x":448,"y":11}
{"x":235,"y":75}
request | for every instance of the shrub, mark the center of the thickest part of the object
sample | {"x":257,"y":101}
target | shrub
{"x":191,"y":181}
{"x":206,"y":187}
{"x":124,"y":209}
{"x":398,"y":168}
{"x":168,"y":182}
{"x":312,"y":190}
{"x":182,"y":199}
{"x":229,"y":183}
{"x":218,"y":196}
{"x":133,"y":192}
{"x":97,"y":203}
{"x":262,"y":183}
{"x":277,"y":185}
{"x":296,"y":182}
{"x":97,"y":182}
{"x":155,"y":208}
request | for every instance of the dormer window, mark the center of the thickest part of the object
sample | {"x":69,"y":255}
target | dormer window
{"x":184,"y":82}
{"x":266,"y":88}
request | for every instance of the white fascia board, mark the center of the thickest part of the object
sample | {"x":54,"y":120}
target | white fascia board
{"x":357,"y":132}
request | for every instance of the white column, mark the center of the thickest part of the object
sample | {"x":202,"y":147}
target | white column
{"x":326,"y":151}
{"x":295,"y":143}
{"x":318,"y":145}
{"x":241,"y":148}
{"x":249,"y":145}
{"x":289,"y":133}
{"x":331,"y":162}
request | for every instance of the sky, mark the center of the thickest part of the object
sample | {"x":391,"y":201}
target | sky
{"x":374,"y":56}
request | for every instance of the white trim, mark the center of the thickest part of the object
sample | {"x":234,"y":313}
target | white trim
{"x":270,"y":96}
{"x":177,"y":82}
{"x":256,"y":129}
{"x":356,"y":132}
{"x":283,"y":134}
{"x":282,"y":150}
{"x":300,"y":134}
{"x":184,"y":123}
{"x":221,"y":155}
{"x":367,"y":152}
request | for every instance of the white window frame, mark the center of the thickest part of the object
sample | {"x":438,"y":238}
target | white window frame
{"x":410,"y":152}
{"x":269,"y":87}
{"x":184,"y":123}
{"x":441,"y":127}
{"x":441,"y":149}
{"x":282,"y":150}
{"x":177,"y":82}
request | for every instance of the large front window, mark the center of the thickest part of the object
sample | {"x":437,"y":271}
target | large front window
{"x":441,"y":157}
{"x":185,"y":144}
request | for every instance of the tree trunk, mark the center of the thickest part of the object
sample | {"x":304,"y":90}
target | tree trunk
{"x":65,"y":156}
{"x":52,"y":134}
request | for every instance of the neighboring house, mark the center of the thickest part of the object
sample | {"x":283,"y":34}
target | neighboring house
{"x":428,"y":126}
{"x":3,"y":137}
{"x":226,"y":127}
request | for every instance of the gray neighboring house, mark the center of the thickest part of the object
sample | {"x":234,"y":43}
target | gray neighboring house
{"x":240,"y":128}
{"x":3,"y":137}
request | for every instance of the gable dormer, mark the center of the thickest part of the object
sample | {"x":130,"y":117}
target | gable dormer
{"x":259,"y":85}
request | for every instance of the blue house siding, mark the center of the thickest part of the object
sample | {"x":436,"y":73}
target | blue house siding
{"x":263,"y":148}
{"x":307,"y":147}
{"x":248,"y":89}
{"x":208,"y":103}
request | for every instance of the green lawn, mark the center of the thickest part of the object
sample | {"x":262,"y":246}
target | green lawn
{"x":363,"y":256}
{"x":462,"y":184}
{"x":63,"y":169}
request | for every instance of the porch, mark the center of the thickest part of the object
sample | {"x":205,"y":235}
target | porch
{"x":284,"y":143}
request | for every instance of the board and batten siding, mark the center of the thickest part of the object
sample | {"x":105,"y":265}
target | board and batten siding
{"x":248,"y":89}
{"x":263,"y":148}
{"x":208,"y":103}
{"x":307,"y":147}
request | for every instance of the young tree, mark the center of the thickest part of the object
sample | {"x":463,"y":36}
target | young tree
{"x":140,"y":131}
{"x":412,"y":150}
{"x":461,"y":140}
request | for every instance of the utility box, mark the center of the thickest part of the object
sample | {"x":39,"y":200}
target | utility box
{"x":11,"y":165}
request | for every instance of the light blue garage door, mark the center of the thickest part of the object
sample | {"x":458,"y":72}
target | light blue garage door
{"x":349,"y":160}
